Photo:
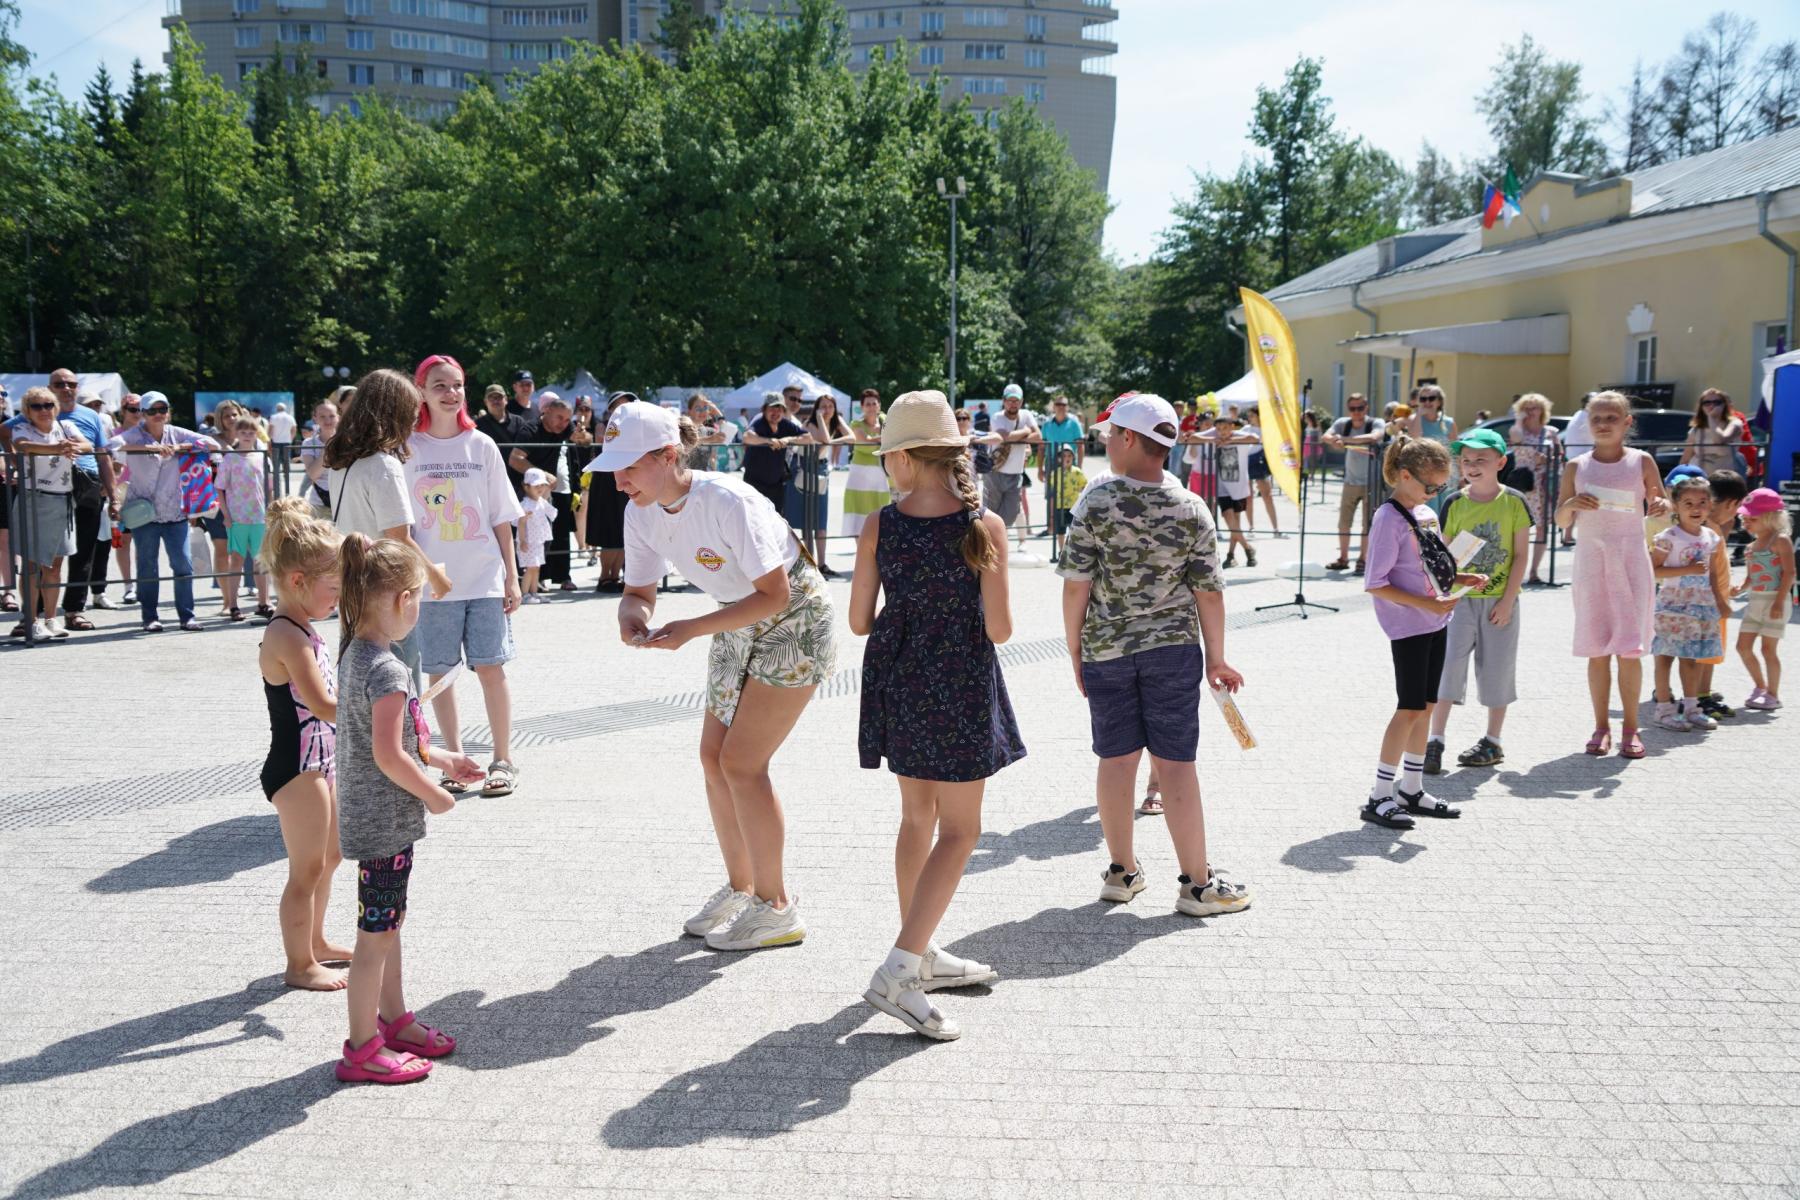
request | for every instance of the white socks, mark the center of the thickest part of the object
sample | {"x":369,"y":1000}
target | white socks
{"x":1384,"y":781}
{"x":1412,"y":773}
{"x":905,"y":964}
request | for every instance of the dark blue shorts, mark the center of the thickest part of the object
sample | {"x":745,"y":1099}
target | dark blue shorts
{"x":1149,"y":699}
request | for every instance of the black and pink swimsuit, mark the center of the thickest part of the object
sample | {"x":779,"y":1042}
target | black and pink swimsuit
{"x":299,"y":741}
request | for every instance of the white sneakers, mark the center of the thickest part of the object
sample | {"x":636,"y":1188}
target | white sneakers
{"x":48,"y":631}
{"x":721,"y":908}
{"x":902,"y":997}
{"x":1121,"y":886}
{"x":1697,"y":717}
{"x":1218,"y":896}
{"x":1670,"y":716}
{"x":759,"y":925}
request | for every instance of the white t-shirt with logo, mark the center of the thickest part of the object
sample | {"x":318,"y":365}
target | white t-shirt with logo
{"x":459,"y":492}
{"x":1019,"y":452}
{"x":281,"y":428}
{"x":1233,"y":469}
{"x":725,"y":538}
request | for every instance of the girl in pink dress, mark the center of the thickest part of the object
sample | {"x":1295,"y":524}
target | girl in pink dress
{"x":1606,"y":492}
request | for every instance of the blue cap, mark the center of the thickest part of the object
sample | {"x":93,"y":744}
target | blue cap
{"x":1684,"y":471}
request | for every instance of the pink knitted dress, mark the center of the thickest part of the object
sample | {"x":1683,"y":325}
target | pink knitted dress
{"x":1615,"y":588}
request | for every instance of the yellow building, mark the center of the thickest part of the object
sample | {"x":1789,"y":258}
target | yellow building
{"x":1662,"y":282}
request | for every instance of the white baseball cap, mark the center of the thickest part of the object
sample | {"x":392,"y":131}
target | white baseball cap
{"x":538,"y":477}
{"x":1142,"y":413}
{"x":636,"y":429}
{"x":1012,"y":391}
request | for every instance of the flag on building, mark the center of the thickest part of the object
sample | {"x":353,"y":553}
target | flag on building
{"x":1277,"y":370}
{"x":1509,"y":196}
{"x":1492,"y":204}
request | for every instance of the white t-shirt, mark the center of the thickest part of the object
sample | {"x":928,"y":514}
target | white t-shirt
{"x":460,"y":491}
{"x":1018,"y":453}
{"x":1234,"y":469}
{"x":725,"y":538}
{"x":281,"y":428}
{"x":1577,"y":440}
{"x":370,"y":497}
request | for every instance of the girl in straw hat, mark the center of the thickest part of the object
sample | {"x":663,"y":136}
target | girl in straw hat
{"x":934,"y":703}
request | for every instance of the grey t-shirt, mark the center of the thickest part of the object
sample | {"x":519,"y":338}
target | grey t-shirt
{"x":377,"y":818}
{"x":1358,"y":460}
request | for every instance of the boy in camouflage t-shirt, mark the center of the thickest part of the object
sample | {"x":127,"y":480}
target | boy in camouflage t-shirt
{"x":1141,"y":595}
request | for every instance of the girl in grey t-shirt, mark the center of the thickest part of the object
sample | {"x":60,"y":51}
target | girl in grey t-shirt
{"x":383,"y":752}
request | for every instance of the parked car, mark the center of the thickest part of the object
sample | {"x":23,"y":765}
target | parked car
{"x":1661,"y":431}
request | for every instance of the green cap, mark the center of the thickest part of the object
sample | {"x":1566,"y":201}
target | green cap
{"x":1480,"y":439}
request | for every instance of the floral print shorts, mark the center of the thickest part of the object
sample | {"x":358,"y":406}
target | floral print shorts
{"x":797,"y":647}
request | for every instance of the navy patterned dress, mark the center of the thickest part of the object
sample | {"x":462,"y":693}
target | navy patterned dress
{"x":933,"y":700}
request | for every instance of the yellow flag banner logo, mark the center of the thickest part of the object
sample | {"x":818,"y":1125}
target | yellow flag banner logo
{"x":1277,"y":370}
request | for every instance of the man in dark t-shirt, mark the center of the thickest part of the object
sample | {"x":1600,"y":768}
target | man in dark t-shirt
{"x":765,"y":449}
{"x":506,"y":427}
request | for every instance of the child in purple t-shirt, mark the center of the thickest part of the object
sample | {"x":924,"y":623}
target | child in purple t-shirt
{"x":1410,"y":575}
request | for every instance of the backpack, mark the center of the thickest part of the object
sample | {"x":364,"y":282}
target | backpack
{"x":984,"y":460}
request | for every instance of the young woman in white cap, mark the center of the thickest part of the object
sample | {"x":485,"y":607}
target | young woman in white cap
{"x":772,"y":645}
{"x":934,"y":703}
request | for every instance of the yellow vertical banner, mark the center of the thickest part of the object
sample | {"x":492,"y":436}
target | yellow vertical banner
{"x":1277,"y":370}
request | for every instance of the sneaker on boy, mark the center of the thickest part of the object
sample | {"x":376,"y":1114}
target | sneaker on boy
{"x":1485,"y":626}
{"x":1434,"y":756}
{"x":1145,"y":621}
{"x":1485,"y":753}
{"x":761,"y":926}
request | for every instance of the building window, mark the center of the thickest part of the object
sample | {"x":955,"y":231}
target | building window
{"x":292,"y":32}
{"x":1035,"y":26}
{"x":536,"y":51}
{"x":525,"y":17}
{"x":245,"y":6}
{"x":1034,"y":57}
{"x":859,"y":56}
{"x":1643,"y":359}
{"x":931,"y":56}
{"x":931,"y":22}
{"x":468,"y":47}
{"x":984,"y":18}
{"x":359,"y":39}
{"x":246,"y":69}
{"x":248,"y":37}
{"x":984,"y":51}
{"x":1034,"y":93}
{"x":358,"y":8}
{"x":879,"y":19}
{"x":1337,"y":387}
{"x":984,"y":87}
{"x":361,"y":73}
{"x":1393,"y":381}
{"x":442,"y":10}
{"x":407,"y":39}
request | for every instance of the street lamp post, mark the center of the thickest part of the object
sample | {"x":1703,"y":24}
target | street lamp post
{"x":962,"y":190}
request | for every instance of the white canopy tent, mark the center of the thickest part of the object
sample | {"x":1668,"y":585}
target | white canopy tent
{"x":1243,"y":393}
{"x":108,"y":385}
{"x":748,"y":399}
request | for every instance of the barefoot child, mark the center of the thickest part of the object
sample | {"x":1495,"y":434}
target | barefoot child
{"x":773,"y":643}
{"x":384,"y":754}
{"x":1768,"y":584}
{"x":534,"y":529}
{"x":1141,"y":595}
{"x":300,"y":685}
{"x":1606,"y":492}
{"x":242,"y":507}
{"x":934,"y":703}
{"x":1485,"y":626}
{"x":1728,"y":491}
{"x":1690,"y":599}
{"x":1410,"y":574}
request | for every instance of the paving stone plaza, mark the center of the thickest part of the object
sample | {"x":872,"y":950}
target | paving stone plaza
{"x":1585,"y":987}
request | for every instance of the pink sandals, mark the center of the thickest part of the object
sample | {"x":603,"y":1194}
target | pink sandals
{"x":396,"y":1068}
{"x":1600,"y":743}
{"x":1630,"y":744}
{"x":437,"y":1044}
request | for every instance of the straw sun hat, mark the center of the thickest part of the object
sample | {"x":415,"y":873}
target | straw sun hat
{"x":920,"y":419}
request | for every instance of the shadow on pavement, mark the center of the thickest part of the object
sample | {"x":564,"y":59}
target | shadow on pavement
{"x":1575,"y":776}
{"x":800,"y":1074}
{"x":157,"y":1148}
{"x":1075,"y":832}
{"x":533,"y":1026}
{"x":1333,"y":852}
{"x":144,"y":1039}
{"x":206,"y":855}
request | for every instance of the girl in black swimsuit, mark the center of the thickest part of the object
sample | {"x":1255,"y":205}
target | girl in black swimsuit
{"x":300,"y":684}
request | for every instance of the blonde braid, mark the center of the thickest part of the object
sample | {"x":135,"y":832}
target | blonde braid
{"x":977,"y":545}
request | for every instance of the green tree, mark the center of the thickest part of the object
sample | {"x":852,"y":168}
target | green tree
{"x":1533,"y":105}
{"x":1439,"y":190}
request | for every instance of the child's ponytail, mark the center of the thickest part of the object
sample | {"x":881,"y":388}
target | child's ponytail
{"x":368,"y":572}
{"x":298,"y":541}
{"x":1414,"y":456}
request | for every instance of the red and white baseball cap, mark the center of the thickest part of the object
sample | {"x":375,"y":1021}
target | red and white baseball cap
{"x":1141,"y":413}
{"x":636,"y":429}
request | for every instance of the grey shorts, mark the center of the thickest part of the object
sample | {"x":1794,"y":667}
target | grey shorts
{"x":47,"y":520}
{"x":1003,"y":494}
{"x":1494,"y":648}
{"x":451,"y":631}
{"x":1148,"y":699}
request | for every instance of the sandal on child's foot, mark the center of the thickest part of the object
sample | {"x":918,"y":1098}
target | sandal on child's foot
{"x":1600,"y":743}
{"x":436,"y":1044}
{"x":1151,"y":807}
{"x":1426,"y":805}
{"x":389,"y":1066}
{"x":1386,"y":811}
{"x":455,"y":787}
{"x":1630,"y":745}
{"x":502,"y":777}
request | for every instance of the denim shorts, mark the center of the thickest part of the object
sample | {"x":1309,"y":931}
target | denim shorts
{"x":1148,"y":699}
{"x":450,"y":631}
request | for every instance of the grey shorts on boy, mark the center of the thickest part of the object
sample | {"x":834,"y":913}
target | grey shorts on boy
{"x":1495,"y":649}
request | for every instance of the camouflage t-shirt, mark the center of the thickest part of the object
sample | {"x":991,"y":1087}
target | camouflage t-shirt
{"x":1147,"y":548}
